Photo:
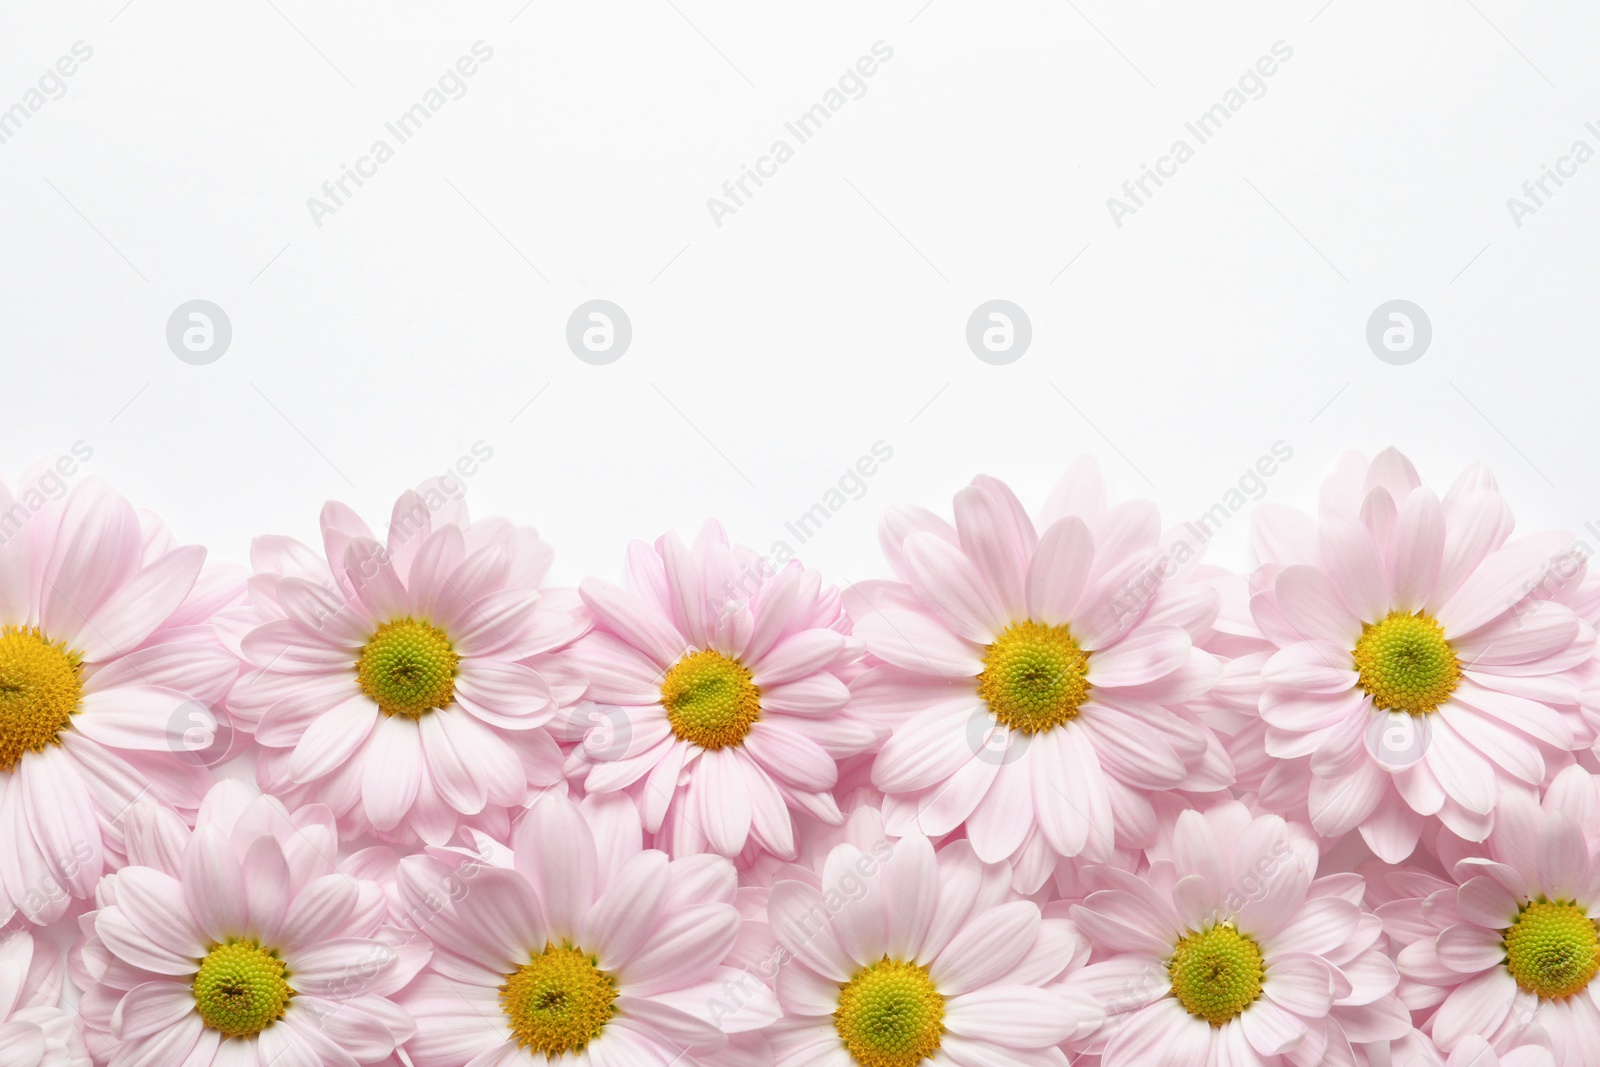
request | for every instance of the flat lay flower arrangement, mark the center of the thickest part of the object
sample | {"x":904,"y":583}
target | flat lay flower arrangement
{"x":1052,"y":790}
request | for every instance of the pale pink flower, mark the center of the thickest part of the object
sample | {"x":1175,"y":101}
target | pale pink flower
{"x":1230,"y":951}
{"x":718,"y":702}
{"x":1420,"y":670}
{"x":889,"y":950}
{"x":1508,"y":945}
{"x":35,"y":1030}
{"x":1416,"y":1050}
{"x":1035,"y":682}
{"x":405,"y":684}
{"x":239,"y":944}
{"x":106,"y":657}
{"x":590,"y":949}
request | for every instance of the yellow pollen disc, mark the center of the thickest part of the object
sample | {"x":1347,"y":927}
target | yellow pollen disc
{"x":711,"y":700}
{"x":1216,"y":973}
{"x":1405,"y":663}
{"x":1552,"y":949}
{"x":241,"y":989}
{"x":558,"y":1001}
{"x":409,"y":668}
{"x":890,"y":1015}
{"x":1035,"y":677}
{"x":40,"y":689}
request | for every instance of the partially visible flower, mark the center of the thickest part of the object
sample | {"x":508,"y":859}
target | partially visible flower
{"x":1036,"y":681}
{"x":240,"y":944}
{"x":1418,"y":665}
{"x":105,"y":656}
{"x":1510,"y":943}
{"x":35,"y":1030}
{"x":1229,"y":950}
{"x":895,"y":954}
{"x":405,"y":684}
{"x":1418,"y":1051}
{"x":720,"y":705}
{"x":590,"y":950}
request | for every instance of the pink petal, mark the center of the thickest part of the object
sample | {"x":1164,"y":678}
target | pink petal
{"x":1467,"y":778}
{"x":622,"y":918}
{"x":927,"y":749}
{"x":60,"y":813}
{"x":133,"y":717}
{"x":998,"y":537}
{"x":1301,"y":985}
{"x":555,"y":851}
{"x":1477,"y":1006}
{"x":1416,"y":550}
{"x":1498,"y":583}
{"x":1468,"y":949}
{"x":722,"y":800}
{"x":1352,"y":561}
{"x":1311,"y":605}
{"x":1311,"y":667}
{"x":1059,"y":572}
{"x":131,"y":613}
{"x":800,"y":921}
{"x":795,"y":657}
{"x":391,"y":770}
{"x":213,"y":886}
{"x":1012,"y":1016}
{"x":949,"y":583}
{"x":918,"y":643}
{"x":1162,"y":1033}
{"x":1148,"y":653}
{"x":687,"y":941}
{"x":1270,"y":1029}
{"x":986,"y":948}
{"x":153,"y":902}
{"x":635,"y":620}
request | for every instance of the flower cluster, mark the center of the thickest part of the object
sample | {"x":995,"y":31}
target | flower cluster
{"x":1052,"y":790}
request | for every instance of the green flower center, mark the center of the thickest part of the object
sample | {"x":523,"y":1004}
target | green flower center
{"x":1216,"y":973}
{"x":241,"y":989}
{"x":1553,"y":949}
{"x":711,"y":700}
{"x":39,"y":692}
{"x":1035,"y":677}
{"x":558,"y":1001}
{"x":408,"y":668}
{"x":890,"y":1015}
{"x":1406,"y":664}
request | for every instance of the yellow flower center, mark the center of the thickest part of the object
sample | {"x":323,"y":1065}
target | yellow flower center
{"x":1406,"y":664}
{"x":890,"y":1015}
{"x":40,"y":689}
{"x":241,"y":989}
{"x":558,"y":1001}
{"x":1552,"y":949}
{"x":1216,"y":973}
{"x":1035,"y":677}
{"x":408,"y":668}
{"x":711,"y":700}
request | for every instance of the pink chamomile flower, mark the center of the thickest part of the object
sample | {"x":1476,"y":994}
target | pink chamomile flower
{"x":405,"y":683}
{"x":894,"y":954}
{"x":1034,"y":677}
{"x":239,"y":944}
{"x":105,"y":657}
{"x":1230,"y":952}
{"x":589,"y":949}
{"x":1509,"y":945}
{"x":718,"y":699}
{"x":1416,"y":666}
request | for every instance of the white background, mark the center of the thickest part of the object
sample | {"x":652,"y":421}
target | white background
{"x":827,"y":313}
